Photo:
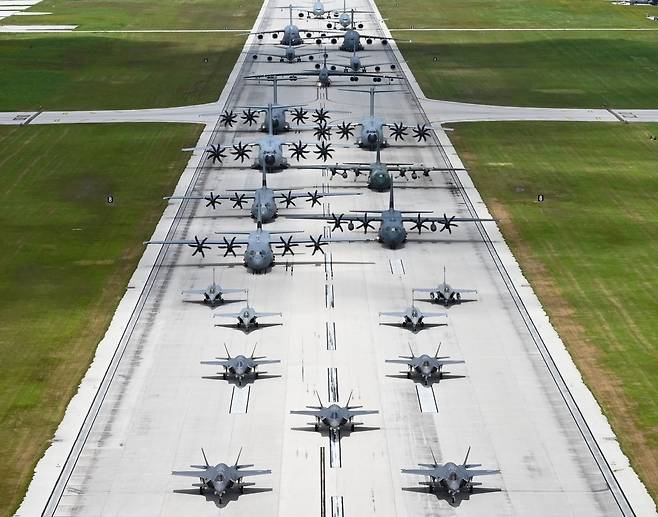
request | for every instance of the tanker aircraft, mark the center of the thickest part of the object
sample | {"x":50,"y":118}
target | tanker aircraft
{"x":449,"y":477}
{"x":444,"y":293}
{"x":212,"y":295}
{"x":425,"y":366}
{"x":289,"y":56}
{"x":356,"y":65}
{"x":334,"y":417}
{"x":221,"y":477}
{"x":239,"y":366}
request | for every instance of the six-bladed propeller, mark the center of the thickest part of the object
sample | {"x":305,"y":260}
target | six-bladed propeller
{"x":316,"y":244}
{"x":213,"y":200}
{"x":230,"y":246}
{"x":314,"y":198}
{"x":288,"y":199}
{"x":238,"y":200}
{"x":216,"y":153}
{"x":228,"y":118}
{"x":365,"y":223}
{"x":249,"y":117}
{"x":419,"y":224}
{"x":287,"y":246}
{"x":448,"y":224}
{"x":241,"y":152}
{"x":337,"y":222}
{"x":199,"y":246}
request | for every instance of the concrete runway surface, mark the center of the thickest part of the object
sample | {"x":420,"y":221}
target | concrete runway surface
{"x":145,"y":408}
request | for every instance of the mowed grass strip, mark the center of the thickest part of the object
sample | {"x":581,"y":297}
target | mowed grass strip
{"x":67,"y":258}
{"x":60,"y":72}
{"x":144,"y":15}
{"x":589,"y":251}
{"x":546,"y":69}
{"x":512,"y":14}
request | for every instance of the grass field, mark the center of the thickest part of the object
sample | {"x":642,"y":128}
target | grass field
{"x":512,"y":14}
{"x":140,"y":14}
{"x":67,"y":72}
{"x":67,"y":259}
{"x":589,"y":251}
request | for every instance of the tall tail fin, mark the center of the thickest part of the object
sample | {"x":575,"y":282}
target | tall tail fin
{"x":319,"y":399}
{"x":411,"y":350}
{"x":227,"y":352}
{"x":467,"y":453}
{"x":238,"y":458}
{"x":349,"y":398}
{"x":437,"y":350}
{"x":391,"y":201}
{"x":270,"y":126}
{"x":253,"y":352}
{"x":433,"y":457}
{"x":444,"y":274}
{"x":204,"y":457}
{"x":264,"y":179}
{"x":274,"y":92}
{"x":372,"y":101}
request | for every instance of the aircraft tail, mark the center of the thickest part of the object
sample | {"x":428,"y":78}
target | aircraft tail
{"x":274,"y":93}
{"x":264,"y":179}
{"x":253,"y":352}
{"x":444,"y":275}
{"x":437,"y":351}
{"x":227,"y":352}
{"x":204,"y":457}
{"x":372,"y":101}
{"x":237,"y":460}
{"x":259,"y":220}
{"x":391,"y":201}
{"x":467,"y":453}
{"x":433,"y":457}
{"x":319,"y":399}
{"x":270,"y":126}
{"x":411,"y":351}
{"x":349,"y":398}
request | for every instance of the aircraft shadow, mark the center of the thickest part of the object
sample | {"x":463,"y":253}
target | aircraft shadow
{"x":344,"y":432}
{"x":418,"y":329}
{"x":249,"y":330}
{"x":230,"y":496}
{"x":448,"y":306}
{"x":444,"y":496}
{"x":418,"y":380}
{"x":216,"y":305}
{"x":245,"y":382}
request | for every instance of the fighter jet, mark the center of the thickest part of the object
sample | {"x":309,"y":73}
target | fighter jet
{"x":247,"y":317}
{"x":258,"y":255}
{"x":356,"y":64}
{"x":290,"y":55}
{"x":424,"y":366}
{"x":379,"y":174}
{"x":239,"y":367}
{"x":212,"y":295}
{"x":221,"y":477}
{"x":450,"y":477}
{"x":265,"y":199}
{"x":334,"y":417}
{"x":444,"y":293}
{"x":412,"y":317}
{"x":392,"y":232}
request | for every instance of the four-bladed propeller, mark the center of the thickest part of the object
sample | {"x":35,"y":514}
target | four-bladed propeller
{"x":321,"y":115}
{"x":228,"y":118}
{"x":199,"y":246}
{"x":399,"y":131}
{"x":421,"y":132}
{"x":216,"y":153}
{"x":299,"y":116}
{"x":241,"y":151}
{"x":230,"y":246}
{"x":299,"y":150}
{"x":345,"y":129}
{"x":213,"y":200}
{"x":324,"y":151}
{"x":322,"y":131}
{"x":249,"y":116}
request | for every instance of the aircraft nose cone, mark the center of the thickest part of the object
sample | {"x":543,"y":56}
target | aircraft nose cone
{"x":372,"y":138}
{"x":269,"y":159}
{"x":275,"y":122}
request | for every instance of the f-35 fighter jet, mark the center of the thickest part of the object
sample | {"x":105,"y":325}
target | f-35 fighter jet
{"x":424,"y":366}
{"x":247,"y":317}
{"x":444,"y":293}
{"x":212,"y":295}
{"x":413,"y":318}
{"x":334,"y":417}
{"x":221,"y":477}
{"x":239,"y":366}
{"x":450,"y":477}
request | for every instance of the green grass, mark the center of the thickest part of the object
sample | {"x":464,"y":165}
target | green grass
{"x":69,"y":72}
{"x":141,"y":15}
{"x":590,"y":250}
{"x":67,"y":257}
{"x":512,"y":14}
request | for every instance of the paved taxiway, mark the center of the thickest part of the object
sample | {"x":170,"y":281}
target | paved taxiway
{"x":159,"y":409}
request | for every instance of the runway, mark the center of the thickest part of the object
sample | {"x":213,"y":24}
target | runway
{"x":153,"y":409}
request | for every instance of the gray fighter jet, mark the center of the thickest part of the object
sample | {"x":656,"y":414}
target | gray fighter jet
{"x":247,"y":317}
{"x":239,"y":367}
{"x":265,"y":199}
{"x":450,"y":477}
{"x":221,"y":477}
{"x":334,"y":417}
{"x":444,"y":293}
{"x":212,"y":295}
{"x":425,"y":366}
{"x":379,"y":174}
{"x":258,"y":255}
{"x":392,"y":232}
{"x":412,"y":317}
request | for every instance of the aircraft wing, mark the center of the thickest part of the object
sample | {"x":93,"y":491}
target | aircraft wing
{"x":361,"y":412}
{"x":216,"y":363}
{"x":193,"y":291}
{"x":460,"y":291}
{"x":267,"y":314}
{"x":267,"y":361}
{"x":233,"y":290}
{"x":435,"y":314}
{"x":192,"y":473}
{"x":393,"y":314}
{"x":419,"y":472}
{"x":451,"y":361}
{"x":210,"y":242}
{"x":482,"y":472}
{"x":226,"y":314}
{"x":376,"y":216}
{"x":311,"y":194}
{"x":247,"y":473}
{"x":410,"y":219}
{"x":308,"y":412}
{"x":425,"y":289}
{"x":399,"y":361}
